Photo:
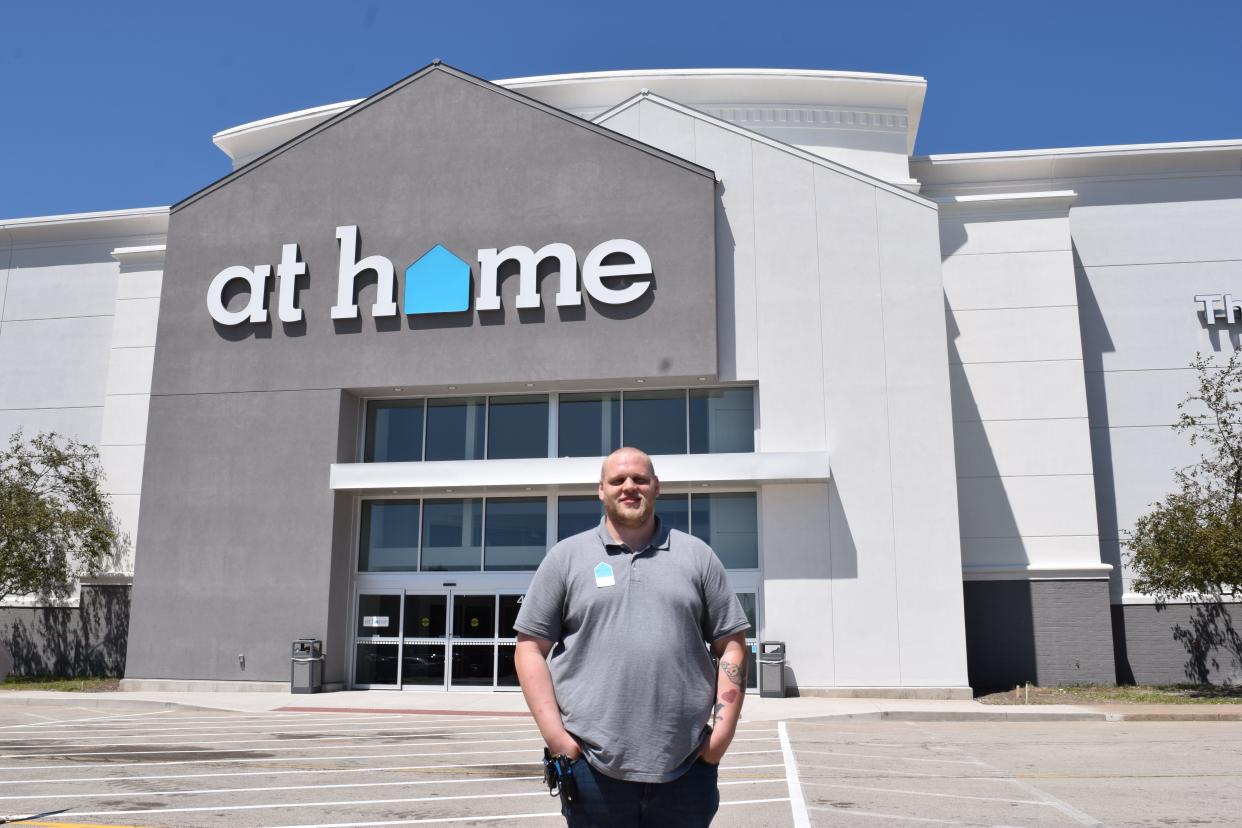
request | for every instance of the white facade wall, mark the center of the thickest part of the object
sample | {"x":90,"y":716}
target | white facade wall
{"x":1023,"y":452}
{"x":76,"y":336}
{"x":861,"y":577}
{"x":1146,"y":230}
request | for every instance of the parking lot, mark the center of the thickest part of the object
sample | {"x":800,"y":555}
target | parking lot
{"x":61,"y":766}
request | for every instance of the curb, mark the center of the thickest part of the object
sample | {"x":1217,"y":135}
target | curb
{"x":139,"y":705}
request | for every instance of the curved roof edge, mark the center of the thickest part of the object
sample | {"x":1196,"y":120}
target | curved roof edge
{"x":135,"y":223}
{"x":1041,"y":165}
{"x":588,"y":93}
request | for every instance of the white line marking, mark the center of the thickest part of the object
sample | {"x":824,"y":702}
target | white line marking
{"x":270,"y":788}
{"x":797,"y":804}
{"x":160,"y":745}
{"x":220,"y":759}
{"x":186,"y":737}
{"x":368,"y":769}
{"x":96,"y":731}
{"x":49,"y":721}
{"x":898,"y":817}
{"x":480,"y":818}
{"x":282,"y":805}
{"x":1070,"y":811}
{"x":750,"y":767}
{"x":805,"y":752}
{"x":864,"y":772}
{"x":928,"y":793}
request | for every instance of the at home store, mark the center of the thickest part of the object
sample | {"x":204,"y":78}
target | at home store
{"x":355,"y":389}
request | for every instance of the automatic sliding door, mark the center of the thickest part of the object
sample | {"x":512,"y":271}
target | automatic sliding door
{"x":425,"y":639}
{"x":377,"y":645}
{"x":473,"y":644}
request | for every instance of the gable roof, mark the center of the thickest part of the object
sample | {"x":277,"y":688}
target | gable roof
{"x":818,"y":160}
{"x":437,"y":66}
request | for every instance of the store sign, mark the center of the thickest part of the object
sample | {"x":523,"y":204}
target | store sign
{"x":1217,"y":307}
{"x":437,"y":282}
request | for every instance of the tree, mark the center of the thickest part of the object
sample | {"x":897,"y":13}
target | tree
{"x":56,"y":524}
{"x":1191,"y":542}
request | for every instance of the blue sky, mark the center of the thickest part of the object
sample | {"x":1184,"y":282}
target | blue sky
{"x":112,"y":105}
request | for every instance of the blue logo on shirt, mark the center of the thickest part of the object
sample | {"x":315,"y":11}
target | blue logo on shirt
{"x":603,"y":570}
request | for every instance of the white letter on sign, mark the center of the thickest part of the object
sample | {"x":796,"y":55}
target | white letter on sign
{"x":594,"y":271}
{"x":385,"y":286}
{"x":255,"y":310}
{"x":287,"y":272}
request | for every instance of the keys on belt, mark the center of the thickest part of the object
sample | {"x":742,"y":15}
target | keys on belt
{"x":558,"y":775}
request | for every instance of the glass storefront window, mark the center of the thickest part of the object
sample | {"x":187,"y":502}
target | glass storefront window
{"x":455,"y":428}
{"x":655,"y":421}
{"x":517,"y":427}
{"x":389,"y":541}
{"x":517,"y":533}
{"x":729,"y":524}
{"x":452,"y":535}
{"x":722,"y":420}
{"x":577,"y":513}
{"x":674,"y":511}
{"x":394,"y":431}
{"x":589,"y":425}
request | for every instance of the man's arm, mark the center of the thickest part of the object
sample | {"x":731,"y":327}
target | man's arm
{"x":531,"y":659}
{"x":730,"y":692}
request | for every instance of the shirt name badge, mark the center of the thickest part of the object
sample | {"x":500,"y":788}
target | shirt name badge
{"x":603,"y":576}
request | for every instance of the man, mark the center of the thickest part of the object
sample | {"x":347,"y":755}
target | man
{"x":629,"y":691}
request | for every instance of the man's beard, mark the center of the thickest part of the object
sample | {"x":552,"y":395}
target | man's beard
{"x":628,"y":519}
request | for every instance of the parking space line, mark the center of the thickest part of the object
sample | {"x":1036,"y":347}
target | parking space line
{"x":1065,"y":808}
{"x":876,"y":815}
{"x":1000,"y":776}
{"x":217,"y":774}
{"x":324,"y":738}
{"x":104,"y":731}
{"x":908,"y":792}
{"x":220,"y":759}
{"x":890,"y":758}
{"x":47,"y":722}
{"x":157,"y":734}
{"x":482,"y":818}
{"x":349,"y":803}
{"x":312,"y":771}
{"x":797,"y":804}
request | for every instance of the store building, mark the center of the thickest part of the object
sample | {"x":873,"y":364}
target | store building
{"x":355,"y":389}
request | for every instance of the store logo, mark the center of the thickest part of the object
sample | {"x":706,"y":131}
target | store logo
{"x":437,"y":282}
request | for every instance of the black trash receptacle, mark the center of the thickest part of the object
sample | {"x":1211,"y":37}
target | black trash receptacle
{"x":306,"y":668}
{"x":772,"y":669}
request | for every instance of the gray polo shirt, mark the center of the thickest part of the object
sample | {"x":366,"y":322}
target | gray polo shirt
{"x":633,"y":678}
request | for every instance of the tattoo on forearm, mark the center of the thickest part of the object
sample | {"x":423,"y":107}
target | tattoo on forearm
{"x":716,"y":711}
{"x":736,"y":673}
{"x":728,"y":696}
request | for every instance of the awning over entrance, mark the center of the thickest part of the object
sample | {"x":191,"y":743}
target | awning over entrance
{"x":544,"y":473}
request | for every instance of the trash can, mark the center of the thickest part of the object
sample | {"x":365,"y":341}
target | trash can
{"x":306,"y":670}
{"x":772,"y":669}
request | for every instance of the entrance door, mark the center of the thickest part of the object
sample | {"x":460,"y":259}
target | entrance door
{"x":377,"y":641}
{"x":447,"y":640}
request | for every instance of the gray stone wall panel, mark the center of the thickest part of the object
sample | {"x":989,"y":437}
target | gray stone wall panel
{"x":1046,"y":632}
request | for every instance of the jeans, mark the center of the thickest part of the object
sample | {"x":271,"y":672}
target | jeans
{"x":690,"y":801}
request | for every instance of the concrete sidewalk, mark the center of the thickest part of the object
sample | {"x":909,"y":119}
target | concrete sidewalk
{"x":512,"y":704}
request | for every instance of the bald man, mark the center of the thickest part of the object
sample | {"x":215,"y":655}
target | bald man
{"x":613,"y":658}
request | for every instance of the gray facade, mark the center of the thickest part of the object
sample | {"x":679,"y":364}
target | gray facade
{"x":244,"y":546}
{"x":84,"y":640}
{"x":1045,"y":632}
{"x":1178,"y":643}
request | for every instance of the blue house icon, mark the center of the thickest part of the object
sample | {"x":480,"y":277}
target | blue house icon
{"x":438,"y":282}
